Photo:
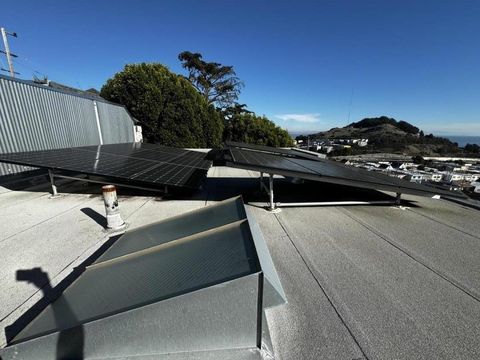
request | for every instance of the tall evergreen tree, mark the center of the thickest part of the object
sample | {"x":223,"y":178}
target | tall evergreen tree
{"x":259,"y":130}
{"x":217,"y":83}
{"x":170,"y":110}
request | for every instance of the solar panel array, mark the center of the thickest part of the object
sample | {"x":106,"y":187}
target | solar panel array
{"x":139,"y":163}
{"x":288,"y":164}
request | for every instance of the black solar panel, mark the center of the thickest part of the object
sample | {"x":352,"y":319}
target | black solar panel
{"x":324,"y":170}
{"x":141,"y":163}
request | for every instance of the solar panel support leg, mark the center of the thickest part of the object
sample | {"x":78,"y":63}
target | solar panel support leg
{"x":52,"y":181}
{"x":270,"y":182}
{"x":398,"y":199}
{"x":261,"y":181}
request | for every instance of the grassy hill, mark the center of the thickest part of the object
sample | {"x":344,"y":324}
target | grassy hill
{"x":386,"y":134}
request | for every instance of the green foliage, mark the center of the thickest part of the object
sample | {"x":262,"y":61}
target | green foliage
{"x":472,"y":148}
{"x":417,"y":159}
{"x":236,"y":109}
{"x":217,"y":83}
{"x":252,"y":129}
{"x":302,"y":138}
{"x":170,"y":110}
{"x":345,"y":151}
{"x":407,"y":127}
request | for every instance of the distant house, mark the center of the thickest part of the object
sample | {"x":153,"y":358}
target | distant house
{"x":362,"y":142}
{"x":474,"y":177}
{"x":415,"y":177}
{"x":476,"y":186}
{"x":386,"y":166}
{"x":450,"y":177}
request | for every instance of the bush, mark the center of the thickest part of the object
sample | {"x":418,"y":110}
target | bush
{"x":252,"y":129}
{"x":169,"y":108}
{"x":418,"y":159}
{"x":472,"y":148}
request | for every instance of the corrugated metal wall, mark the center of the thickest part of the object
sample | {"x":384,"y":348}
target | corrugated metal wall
{"x":118,"y":131}
{"x":34,"y":117}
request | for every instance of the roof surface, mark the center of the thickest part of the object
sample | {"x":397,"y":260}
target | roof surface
{"x":363,"y":282}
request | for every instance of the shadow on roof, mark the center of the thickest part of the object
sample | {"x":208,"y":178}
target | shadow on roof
{"x":215,"y":189}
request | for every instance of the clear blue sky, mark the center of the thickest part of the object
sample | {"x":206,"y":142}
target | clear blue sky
{"x":307,"y":65}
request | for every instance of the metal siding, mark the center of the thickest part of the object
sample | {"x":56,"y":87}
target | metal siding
{"x":34,"y":117}
{"x":115,"y":123}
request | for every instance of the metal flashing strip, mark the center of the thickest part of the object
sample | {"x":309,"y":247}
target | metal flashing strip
{"x":199,"y":281}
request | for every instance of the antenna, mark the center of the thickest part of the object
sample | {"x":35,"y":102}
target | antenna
{"x":7,"y":52}
{"x":350,"y":108}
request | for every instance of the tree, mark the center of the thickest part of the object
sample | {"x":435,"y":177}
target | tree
{"x":217,"y":83}
{"x":170,"y":110}
{"x":252,"y":129}
{"x":418,"y":159}
{"x":93,"y":91}
{"x":236,"y":109}
{"x":472,"y":148}
{"x":345,"y":151}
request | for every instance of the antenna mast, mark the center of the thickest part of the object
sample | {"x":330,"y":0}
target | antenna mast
{"x":7,"y":51}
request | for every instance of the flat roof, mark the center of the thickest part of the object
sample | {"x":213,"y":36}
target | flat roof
{"x":361,"y":281}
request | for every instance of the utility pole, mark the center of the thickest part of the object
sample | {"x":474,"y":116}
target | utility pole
{"x":7,"y":51}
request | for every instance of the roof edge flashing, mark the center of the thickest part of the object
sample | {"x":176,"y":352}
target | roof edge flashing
{"x":267,"y":265}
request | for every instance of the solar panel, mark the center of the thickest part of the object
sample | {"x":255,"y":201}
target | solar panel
{"x":325,"y":171}
{"x":139,"y":163}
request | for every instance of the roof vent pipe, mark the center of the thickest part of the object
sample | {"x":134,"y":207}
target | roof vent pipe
{"x":114,"y":219}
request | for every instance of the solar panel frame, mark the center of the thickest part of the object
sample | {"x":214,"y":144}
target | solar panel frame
{"x":128,"y":164}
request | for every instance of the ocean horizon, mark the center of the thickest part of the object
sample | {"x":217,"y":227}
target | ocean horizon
{"x":463,"y":140}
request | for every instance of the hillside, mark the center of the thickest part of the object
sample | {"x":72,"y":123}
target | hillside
{"x":389,"y":135}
